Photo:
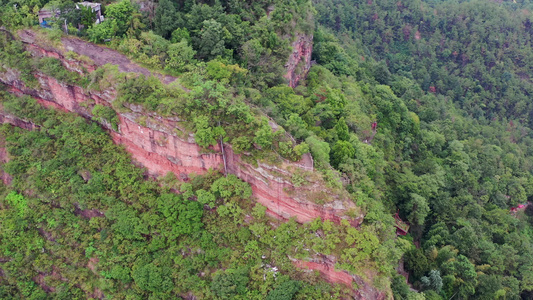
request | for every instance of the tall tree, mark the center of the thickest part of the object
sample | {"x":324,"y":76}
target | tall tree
{"x":165,"y":19}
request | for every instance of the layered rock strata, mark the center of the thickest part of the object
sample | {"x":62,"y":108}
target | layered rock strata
{"x":161,"y":145}
{"x":325,"y":266}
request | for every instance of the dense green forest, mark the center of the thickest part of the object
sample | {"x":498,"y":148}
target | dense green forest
{"x":447,"y":83}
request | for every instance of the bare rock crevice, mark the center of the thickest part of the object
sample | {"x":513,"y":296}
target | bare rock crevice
{"x":299,"y":61}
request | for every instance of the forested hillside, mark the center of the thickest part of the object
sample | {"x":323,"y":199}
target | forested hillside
{"x":463,"y":68}
{"x":420,"y":108}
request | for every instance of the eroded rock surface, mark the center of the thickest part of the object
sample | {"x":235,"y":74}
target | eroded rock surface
{"x":300,"y":59}
{"x":161,"y":146}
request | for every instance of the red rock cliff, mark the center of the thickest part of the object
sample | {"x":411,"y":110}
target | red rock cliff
{"x":160,"y":145}
{"x":300,"y":59}
{"x":325,"y":266}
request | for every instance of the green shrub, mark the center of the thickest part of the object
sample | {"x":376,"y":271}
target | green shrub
{"x":54,"y":68}
{"x":106,"y":113}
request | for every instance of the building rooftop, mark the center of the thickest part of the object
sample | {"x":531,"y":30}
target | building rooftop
{"x":90,"y":4}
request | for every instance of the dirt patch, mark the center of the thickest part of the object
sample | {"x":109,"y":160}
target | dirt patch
{"x":87,"y":213}
{"x":40,"y":280}
{"x":47,"y":235}
{"x":4,"y":158}
{"x":93,"y":261}
{"x":98,"y":294}
{"x":524,"y":76}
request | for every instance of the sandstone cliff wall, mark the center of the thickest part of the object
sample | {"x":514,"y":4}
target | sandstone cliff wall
{"x":299,"y":61}
{"x":325,"y":266}
{"x":161,"y":146}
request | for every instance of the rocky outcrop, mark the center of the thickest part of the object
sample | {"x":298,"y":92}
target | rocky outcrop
{"x":300,"y":59}
{"x":78,"y":55}
{"x":325,"y":266}
{"x":161,"y":146}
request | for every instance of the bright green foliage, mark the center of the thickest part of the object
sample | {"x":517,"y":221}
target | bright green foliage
{"x":328,"y":53}
{"x":179,"y":56}
{"x":363,"y":247}
{"x":188,"y":213}
{"x":120,"y":273}
{"x":220,"y":71}
{"x":460,"y":276}
{"x":297,"y":126}
{"x":18,"y":202}
{"x":103,"y":31}
{"x":93,"y":208}
{"x":87,"y":17}
{"x":241,"y":144}
{"x":295,"y":153}
{"x":152,"y":278}
{"x":229,"y":187}
{"x":401,"y":289}
{"x":230,"y":283}
{"x":419,"y":209}
{"x":342,"y":130}
{"x":264,"y":135}
{"x":54,"y":68}
{"x":287,"y":101}
{"x":341,"y":151}
{"x":212,"y":40}
{"x":285,"y":291}
{"x":149,"y":92}
{"x":179,"y":35}
{"x":21,"y":15}
{"x":106,"y":113}
{"x":301,"y":149}
{"x":320,"y":151}
{"x":122,"y":13}
{"x":205,"y":135}
{"x":14,"y":56}
{"x":446,"y":83}
{"x":206,"y":198}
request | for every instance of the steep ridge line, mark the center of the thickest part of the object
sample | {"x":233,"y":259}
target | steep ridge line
{"x":160,"y":149}
{"x":183,"y":157}
{"x":99,"y":55}
{"x":324,"y":265}
{"x":157,"y":146}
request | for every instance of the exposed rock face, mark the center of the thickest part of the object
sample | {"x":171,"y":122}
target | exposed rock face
{"x":160,"y":151}
{"x":300,"y":59}
{"x":157,"y":146}
{"x":327,"y":271}
{"x":4,"y":158}
{"x":161,"y":146}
